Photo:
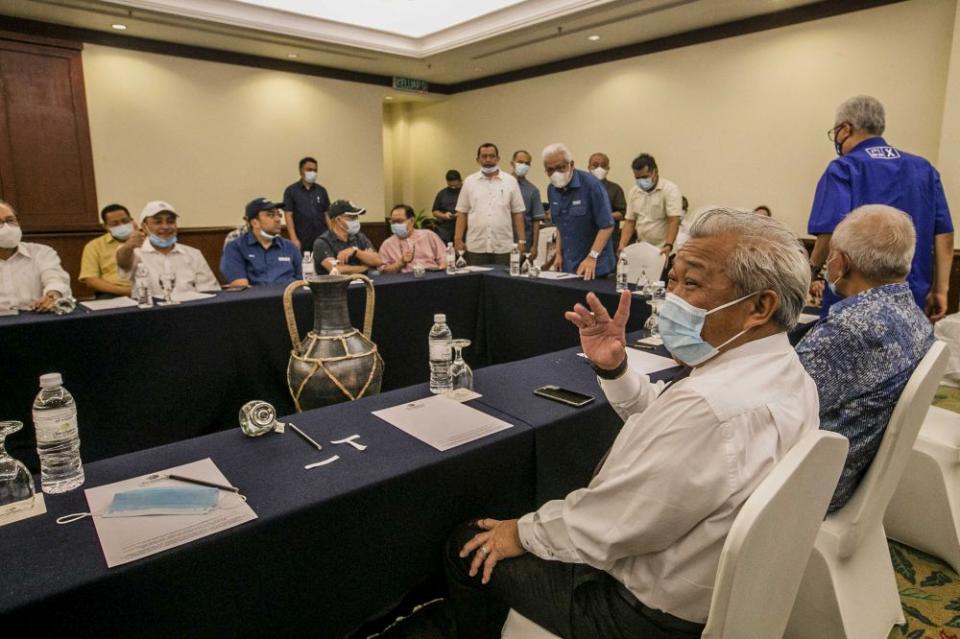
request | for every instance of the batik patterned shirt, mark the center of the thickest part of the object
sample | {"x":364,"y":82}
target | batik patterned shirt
{"x":861,"y":356}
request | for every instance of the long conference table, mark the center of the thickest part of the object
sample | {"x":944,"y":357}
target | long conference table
{"x":332,"y":547}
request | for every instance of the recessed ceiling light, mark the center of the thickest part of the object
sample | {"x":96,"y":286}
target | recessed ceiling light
{"x":389,"y":97}
{"x":119,"y":27}
{"x":593,"y":38}
{"x":291,"y":55}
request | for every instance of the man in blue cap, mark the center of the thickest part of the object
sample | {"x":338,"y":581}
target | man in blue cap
{"x":870,"y":171}
{"x":261,"y":256}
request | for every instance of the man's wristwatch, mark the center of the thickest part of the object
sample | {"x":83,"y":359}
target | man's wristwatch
{"x":594,"y":254}
{"x":670,"y":244}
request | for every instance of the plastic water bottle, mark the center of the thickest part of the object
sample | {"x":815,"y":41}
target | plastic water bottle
{"x":309,"y":268}
{"x":441,"y":355}
{"x":451,"y":259}
{"x":623,"y":274}
{"x":58,"y":438}
{"x":141,"y":287}
{"x":515,"y":261}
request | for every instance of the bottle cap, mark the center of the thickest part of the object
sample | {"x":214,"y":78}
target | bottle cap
{"x":50,"y":380}
{"x":440,"y":318}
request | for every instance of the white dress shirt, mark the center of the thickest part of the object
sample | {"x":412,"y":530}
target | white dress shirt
{"x":489,"y":203}
{"x":651,"y":210}
{"x":187,"y":263}
{"x":29,"y":274}
{"x":657,"y":514}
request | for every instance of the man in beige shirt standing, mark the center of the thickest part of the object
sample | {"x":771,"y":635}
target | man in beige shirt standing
{"x":490,"y":201}
{"x":654,"y":208}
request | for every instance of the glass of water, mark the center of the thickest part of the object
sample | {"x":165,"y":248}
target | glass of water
{"x":168,"y":280}
{"x":461,"y":375}
{"x":16,"y":483}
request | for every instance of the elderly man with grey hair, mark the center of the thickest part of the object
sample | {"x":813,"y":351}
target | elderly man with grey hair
{"x":635,"y":552}
{"x":580,"y":209}
{"x":862,"y":354}
{"x":870,"y":171}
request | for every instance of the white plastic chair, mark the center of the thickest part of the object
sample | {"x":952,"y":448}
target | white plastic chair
{"x":766,"y":549}
{"x":643,"y":256}
{"x":924,"y":512}
{"x":849,"y":589}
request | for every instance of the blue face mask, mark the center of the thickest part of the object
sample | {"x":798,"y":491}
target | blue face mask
{"x":645,"y":183}
{"x":122,"y":231}
{"x":680,"y":327}
{"x":353,"y":226}
{"x":163,"y":501}
{"x":159,"y":242}
{"x":400,"y":230}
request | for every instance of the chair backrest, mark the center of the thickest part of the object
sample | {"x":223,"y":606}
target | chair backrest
{"x":866,"y":508}
{"x":546,"y":236}
{"x":767,"y":548}
{"x":644,"y":256}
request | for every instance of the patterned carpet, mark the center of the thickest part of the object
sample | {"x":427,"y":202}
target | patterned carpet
{"x":929,"y":588}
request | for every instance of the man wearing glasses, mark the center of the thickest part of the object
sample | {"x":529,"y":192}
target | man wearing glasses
{"x":870,"y":171}
{"x":31,"y":277}
{"x":261,"y":256}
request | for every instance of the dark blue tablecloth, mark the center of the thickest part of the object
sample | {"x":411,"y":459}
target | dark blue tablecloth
{"x":331,"y":547}
{"x":143,"y":378}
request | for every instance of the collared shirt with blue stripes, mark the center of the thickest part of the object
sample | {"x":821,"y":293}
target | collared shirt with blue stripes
{"x":861,"y":355}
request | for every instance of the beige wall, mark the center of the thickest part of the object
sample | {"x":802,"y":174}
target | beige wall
{"x":949,"y":161}
{"x":209,"y":137}
{"x":737,"y":122}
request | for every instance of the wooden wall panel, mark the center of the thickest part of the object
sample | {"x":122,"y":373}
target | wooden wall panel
{"x":46,"y":162}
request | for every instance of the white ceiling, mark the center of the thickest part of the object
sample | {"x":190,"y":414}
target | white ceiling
{"x":355,"y":35}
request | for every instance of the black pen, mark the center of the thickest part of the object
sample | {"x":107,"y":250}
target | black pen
{"x":200,"y":482}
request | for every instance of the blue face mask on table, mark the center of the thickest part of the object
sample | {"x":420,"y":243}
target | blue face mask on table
{"x":680,"y":327}
{"x":163,"y":501}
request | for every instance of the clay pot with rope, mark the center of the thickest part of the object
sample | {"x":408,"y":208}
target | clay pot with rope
{"x":334,"y":362}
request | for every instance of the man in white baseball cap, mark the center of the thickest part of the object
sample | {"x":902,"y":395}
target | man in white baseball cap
{"x":155,"y":245}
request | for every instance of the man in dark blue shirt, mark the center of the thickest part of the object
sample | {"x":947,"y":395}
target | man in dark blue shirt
{"x":581,"y":212}
{"x":445,"y":206}
{"x":306,"y":204}
{"x":261,"y":256}
{"x":870,"y":171}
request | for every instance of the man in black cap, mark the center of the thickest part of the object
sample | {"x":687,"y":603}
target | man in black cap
{"x":343,"y":243}
{"x":261,"y":256}
{"x":445,"y":206}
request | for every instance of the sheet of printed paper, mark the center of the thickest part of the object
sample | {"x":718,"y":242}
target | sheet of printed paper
{"x":442,"y":422}
{"x":126,"y":539}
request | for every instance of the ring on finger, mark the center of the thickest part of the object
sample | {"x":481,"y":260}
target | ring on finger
{"x":484,"y":551}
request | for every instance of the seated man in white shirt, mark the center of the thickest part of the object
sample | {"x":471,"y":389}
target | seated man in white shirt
{"x":31,"y":277}
{"x":635,"y":552}
{"x":155,"y":245}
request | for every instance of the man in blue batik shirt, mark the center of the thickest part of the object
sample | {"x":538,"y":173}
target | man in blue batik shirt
{"x":580,"y":209}
{"x":864,"y":351}
{"x":870,"y":171}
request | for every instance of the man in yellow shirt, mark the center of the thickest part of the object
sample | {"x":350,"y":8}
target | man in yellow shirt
{"x":98,"y":266}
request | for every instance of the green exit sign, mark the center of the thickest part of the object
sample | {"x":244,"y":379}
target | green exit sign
{"x":409,"y":84}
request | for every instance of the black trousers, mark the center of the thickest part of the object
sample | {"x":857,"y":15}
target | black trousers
{"x":573,"y":601}
{"x":481,"y":259}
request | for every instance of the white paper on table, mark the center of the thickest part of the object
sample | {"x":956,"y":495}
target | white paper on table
{"x":474,"y":269}
{"x":806,"y":318}
{"x":190,"y":296}
{"x":462,"y":395}
{"x":126,"y":539}
{"x":441,"y":422}
{"x":557,"y":275}
{"x":103,"y":305}
{"x":645,"y":363}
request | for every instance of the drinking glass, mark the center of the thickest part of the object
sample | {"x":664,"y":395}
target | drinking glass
{"x":657,"y":297}
{"x":525,"y":265}
{"x":461,"y":375}
{"x":461,"y":260}
{"x":16,"y":483}
{"x":168,"y":280}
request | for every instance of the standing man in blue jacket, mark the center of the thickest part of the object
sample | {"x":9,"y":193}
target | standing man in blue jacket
{"x":870,"y":171}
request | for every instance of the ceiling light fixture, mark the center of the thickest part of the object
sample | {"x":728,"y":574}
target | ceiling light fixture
{"x":119,"y":27}
{"x":593,"y":38}
{"x":389,"y":97}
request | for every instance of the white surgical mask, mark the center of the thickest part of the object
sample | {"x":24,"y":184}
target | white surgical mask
{"x":521,"y":168}
{"x":559,"y":179}
{"x":122,"y":231}
{"x":10,"y":236}
{"x":489,"y":170}
{"x":310,"y":176}
{"x":599,"y":172}
{"x":399,"y":229}
{"x":267,"y":236}
{"x":353,"y":226}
